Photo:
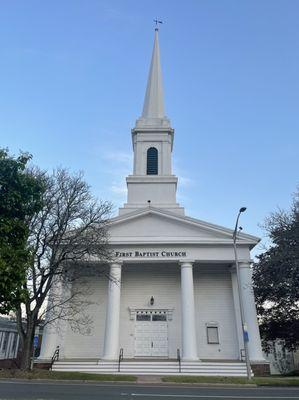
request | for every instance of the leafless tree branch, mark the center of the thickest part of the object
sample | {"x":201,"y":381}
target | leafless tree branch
{"x":68,"y":233}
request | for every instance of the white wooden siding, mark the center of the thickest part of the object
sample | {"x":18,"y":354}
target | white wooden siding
{"x":90,"y":346}
{"x":213,"y":303}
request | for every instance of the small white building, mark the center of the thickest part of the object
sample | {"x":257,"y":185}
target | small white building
{"x":9,"y":339}
{"x":175,"y":284}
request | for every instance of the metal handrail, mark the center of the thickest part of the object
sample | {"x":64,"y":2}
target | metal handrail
{"x":55,"y":357}
{"x":178,"y":357}
{"x":120,"y":358}
{"x":242,"y":355}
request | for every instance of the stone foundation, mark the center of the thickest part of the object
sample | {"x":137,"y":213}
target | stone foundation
{"x":10,"y":363}
{"x":261,"y":369}
{"x":42,"y":365}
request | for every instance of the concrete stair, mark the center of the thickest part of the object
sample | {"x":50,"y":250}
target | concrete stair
{"x":154,"y":367}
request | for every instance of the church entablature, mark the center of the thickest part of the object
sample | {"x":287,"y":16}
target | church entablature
{"x":133,"y":253}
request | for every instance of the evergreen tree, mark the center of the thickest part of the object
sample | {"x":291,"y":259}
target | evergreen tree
{"x":276,"y":278}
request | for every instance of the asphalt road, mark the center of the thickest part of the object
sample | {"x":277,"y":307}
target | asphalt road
{"x":84,"y":391}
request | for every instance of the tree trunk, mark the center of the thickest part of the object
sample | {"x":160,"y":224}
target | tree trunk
{"x":27,"y":349}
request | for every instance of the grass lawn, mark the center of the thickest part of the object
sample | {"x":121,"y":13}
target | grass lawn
{"x":261,"y":381}
{"x":44,"y":374}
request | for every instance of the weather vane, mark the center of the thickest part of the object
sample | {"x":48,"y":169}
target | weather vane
{"x":157,"y":22}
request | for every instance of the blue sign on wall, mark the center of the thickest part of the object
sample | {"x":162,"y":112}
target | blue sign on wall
{"x":35,"y":342}
{"x":246,"y":336}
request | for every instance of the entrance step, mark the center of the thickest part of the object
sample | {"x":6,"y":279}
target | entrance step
{"x":198,"y":368}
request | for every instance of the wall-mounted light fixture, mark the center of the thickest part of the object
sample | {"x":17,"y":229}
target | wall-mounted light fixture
{"x":152,"y":300}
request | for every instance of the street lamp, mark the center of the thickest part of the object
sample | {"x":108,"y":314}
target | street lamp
{"x":244,"y":326}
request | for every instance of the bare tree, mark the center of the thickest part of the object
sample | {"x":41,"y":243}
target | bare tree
{"x":70,"y":230}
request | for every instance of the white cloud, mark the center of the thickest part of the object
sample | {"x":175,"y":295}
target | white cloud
{"x":185,"y":182}
{"x":118,"y":165}
{"x":119,"y":156}
{"x":119,"y":189}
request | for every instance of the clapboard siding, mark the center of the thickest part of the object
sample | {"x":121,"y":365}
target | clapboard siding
{"x":91,"y":345}
{"x":213,"y":302}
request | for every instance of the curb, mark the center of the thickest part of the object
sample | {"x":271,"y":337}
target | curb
{"x":127,"y":383}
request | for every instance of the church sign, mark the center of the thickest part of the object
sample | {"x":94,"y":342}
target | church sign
{"x":151,"y":254}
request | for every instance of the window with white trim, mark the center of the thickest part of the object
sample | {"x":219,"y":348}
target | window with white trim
{"x":152,"y":161}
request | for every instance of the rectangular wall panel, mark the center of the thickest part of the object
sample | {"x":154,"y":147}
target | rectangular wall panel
{"x":214,"y":305}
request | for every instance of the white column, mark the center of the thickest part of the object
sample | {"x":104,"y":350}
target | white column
{"x":63,"y":324}
{"x":49,"y":342}
{"x":50,"y":338}
{"x":237,"y":310}
{"x":254,"y":344}
{"x":111,"y":341}
{"x":189,"y":343}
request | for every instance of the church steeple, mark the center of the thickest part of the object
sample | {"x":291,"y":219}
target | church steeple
{"x":152,"y":181}
{"x":153,"y":108}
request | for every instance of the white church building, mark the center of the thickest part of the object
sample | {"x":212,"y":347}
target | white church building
{"x":174,"y":290}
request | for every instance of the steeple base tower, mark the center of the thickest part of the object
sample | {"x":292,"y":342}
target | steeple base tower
{"x":155,"y":191}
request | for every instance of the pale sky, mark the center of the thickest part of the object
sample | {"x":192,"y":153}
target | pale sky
{"x":72,"y":81}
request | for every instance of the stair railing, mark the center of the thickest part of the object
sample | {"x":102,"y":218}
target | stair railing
{"x":242,"y":355}
{"x":120,"y":358}
{"x":55,"y":357}
{"x":178,"y":357}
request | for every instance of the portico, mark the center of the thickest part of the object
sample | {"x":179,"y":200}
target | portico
{"x":188,"y":325}
{"x":190,"y":302}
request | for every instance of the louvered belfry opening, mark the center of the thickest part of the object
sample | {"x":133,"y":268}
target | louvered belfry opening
{"x":152,"y":161}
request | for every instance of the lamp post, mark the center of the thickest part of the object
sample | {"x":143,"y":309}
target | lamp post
{"x":244,"y":326}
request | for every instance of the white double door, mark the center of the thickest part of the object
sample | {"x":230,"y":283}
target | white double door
{"x":151,"y":336}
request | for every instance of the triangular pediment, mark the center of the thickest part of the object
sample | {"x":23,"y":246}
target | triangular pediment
{"x":152,"y":225}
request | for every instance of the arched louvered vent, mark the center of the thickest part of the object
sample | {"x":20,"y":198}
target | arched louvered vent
{"x":152,"y":161}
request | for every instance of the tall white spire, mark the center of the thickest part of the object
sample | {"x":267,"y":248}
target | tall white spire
{"x":152,"y":140}
{"x":153,"y":102}
{"x":153,"y":107}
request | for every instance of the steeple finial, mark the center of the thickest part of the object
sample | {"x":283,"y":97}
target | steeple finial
{"x":157,"y":22}
{"x":153,"y":108}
